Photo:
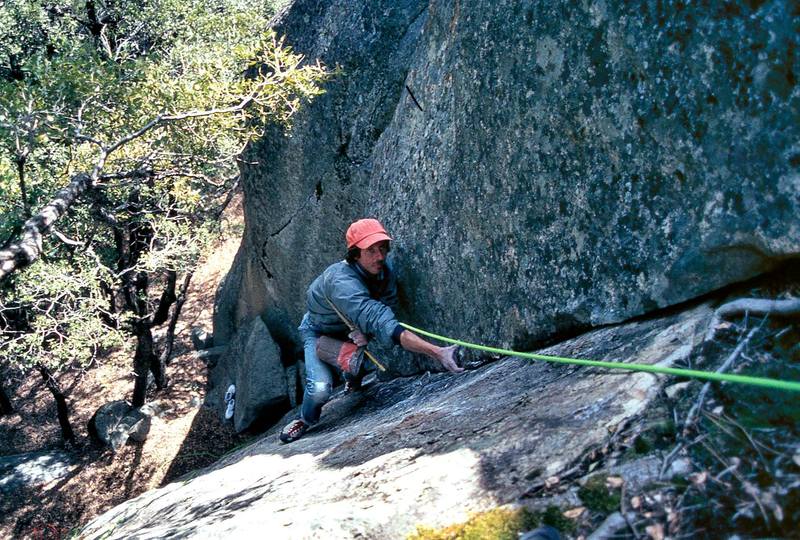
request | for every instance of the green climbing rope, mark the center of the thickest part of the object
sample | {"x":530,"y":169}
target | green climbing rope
{"x":697,"y":374}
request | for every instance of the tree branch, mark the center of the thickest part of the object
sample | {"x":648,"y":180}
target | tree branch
{"x":166,"y":353}
{"x":167,"y":299}
{"x":228,"y":198}
{"x":29,"y":248}
{"x":64,"y":238}
{"x":754,"y":306}
{"x":690,"y":418}
{"x":163,"y":119}
{"x":61,"y":402}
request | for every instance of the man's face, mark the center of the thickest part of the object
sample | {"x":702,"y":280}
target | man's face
{"x":373,"y":257}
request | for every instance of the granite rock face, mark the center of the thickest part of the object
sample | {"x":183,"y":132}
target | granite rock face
{"x":544,"y":167}
{"x":252,"y":363}
{"x":421,"y":450}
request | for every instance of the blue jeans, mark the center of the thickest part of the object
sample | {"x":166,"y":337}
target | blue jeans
{"x":319,"y":376}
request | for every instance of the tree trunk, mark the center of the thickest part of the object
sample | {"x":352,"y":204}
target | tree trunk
{"x":167,"y":299}
{"x":166,"y":353}
{"x":145,"y":347}
{"x":158,"y":367}
{"x":23,"y":189}
{"x":142,"y":362}
{"x":12,"y":70}
{"x":146,"y":360}
{"x":61,"y":402}
{"x":109,"y":319}
{"x":5,"y":403}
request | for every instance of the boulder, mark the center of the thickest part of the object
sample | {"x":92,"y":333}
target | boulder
{"x":211,"y":356}
{"x":252,"y":363}
{"x":294,"y":383}
{"x":544,"y":167}
{"x":139,"y":430}
{"x":201,"y":338}
{"x":117,"y":421}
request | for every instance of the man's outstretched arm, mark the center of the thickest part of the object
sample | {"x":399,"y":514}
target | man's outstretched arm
{"x":444,"y":355}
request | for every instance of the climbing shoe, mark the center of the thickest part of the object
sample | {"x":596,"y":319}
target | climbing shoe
{"x":229,"y":409}
{"x":352,"y":386}
{"x":293,"y":431}
{"x":354,"y":383}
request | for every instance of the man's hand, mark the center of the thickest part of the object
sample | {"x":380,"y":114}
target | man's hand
{"x":358,"y":338}
{"x":447,"y":357}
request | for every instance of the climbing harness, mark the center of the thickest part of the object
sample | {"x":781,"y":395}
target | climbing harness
{"x":680,"y":372}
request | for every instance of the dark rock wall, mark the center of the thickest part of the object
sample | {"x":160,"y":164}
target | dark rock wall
{"x":543,"y":166}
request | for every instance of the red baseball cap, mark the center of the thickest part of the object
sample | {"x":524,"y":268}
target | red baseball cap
{"x":365,"y":232}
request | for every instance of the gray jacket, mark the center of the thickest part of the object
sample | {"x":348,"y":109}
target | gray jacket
{"x":366,"y":300}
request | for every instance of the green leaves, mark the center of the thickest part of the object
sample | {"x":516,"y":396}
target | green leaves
{"x":154,"y":99}
{"x":57,"y":316}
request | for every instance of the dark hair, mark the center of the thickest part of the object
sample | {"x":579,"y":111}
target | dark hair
{"x":353,"y":254}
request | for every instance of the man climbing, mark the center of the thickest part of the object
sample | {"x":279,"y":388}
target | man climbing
{"x":353,"y":300}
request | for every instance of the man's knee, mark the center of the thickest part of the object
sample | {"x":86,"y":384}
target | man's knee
{"x":320,"y":392}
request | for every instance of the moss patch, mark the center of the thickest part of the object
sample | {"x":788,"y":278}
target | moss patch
{"x":497,"y":524}
{"x":598,"y":497}
{"x":657,"y":436}
{"x":554,"y":517}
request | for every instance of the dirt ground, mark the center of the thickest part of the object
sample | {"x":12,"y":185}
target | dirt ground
{"x":187,"y":436}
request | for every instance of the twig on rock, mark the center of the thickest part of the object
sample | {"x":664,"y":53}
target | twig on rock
{"x":668,"y":459}
{"x":753,"y":306}
{"x":691,"y":417}
{"x":749,"y":488}
{"x":671,"y":456}
{"x":624,"y":512}
{"x":717,"y":420}
{"x":752,"y":441}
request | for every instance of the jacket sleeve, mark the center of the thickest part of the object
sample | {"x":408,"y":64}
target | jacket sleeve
{"x":372,"y":317}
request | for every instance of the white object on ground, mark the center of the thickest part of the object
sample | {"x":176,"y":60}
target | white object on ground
{"x":230,"y":402}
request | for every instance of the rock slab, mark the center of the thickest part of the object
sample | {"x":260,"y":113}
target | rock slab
{"x":418,"y":451}
{"x":33,"y":469}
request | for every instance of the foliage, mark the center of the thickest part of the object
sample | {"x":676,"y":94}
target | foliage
{"x":599,"y":497}
{"x":155,"y":99}
{"x":497,"y":524}
{"x":59,"y":309}
{"x":747,"y":458}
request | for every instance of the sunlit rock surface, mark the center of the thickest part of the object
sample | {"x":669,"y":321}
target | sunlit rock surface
{"x":420,"y":450}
